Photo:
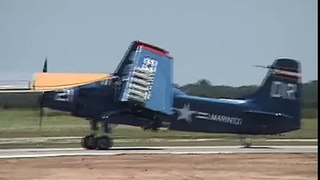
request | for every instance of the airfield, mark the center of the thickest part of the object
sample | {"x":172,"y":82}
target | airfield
{"x":161,"y":162}
{"x":52,"y":152}
{"x":220,"y":162}
{"x":147,"y":150}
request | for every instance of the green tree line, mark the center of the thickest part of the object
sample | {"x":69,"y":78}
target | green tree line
{"x":204,"y":88}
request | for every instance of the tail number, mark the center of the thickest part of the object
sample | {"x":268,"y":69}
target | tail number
{"x":283,"y":90}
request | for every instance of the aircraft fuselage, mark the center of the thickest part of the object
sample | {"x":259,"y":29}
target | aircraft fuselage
{"x":199,"y":114}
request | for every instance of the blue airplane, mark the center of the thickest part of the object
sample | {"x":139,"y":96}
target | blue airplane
{"x":141,"y":93}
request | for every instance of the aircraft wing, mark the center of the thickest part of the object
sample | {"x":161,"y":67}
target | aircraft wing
{"x":52,"y":81}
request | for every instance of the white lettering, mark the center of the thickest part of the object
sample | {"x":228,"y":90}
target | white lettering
{"x":64,"y":95}
{"x":150,"y":65}
{"x":283,"y":90}
{"x":219,"y":118}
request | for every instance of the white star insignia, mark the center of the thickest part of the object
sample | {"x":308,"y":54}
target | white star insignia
{"x":185,"y":113}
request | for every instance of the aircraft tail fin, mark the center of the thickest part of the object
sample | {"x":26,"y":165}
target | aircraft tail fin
{"x":280,"y":92}
{"x":147,"y":77}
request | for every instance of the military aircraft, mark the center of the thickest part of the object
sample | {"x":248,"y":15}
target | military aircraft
{"x":140,"y":92}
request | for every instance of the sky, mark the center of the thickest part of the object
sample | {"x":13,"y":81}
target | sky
{"x":217,"y":40}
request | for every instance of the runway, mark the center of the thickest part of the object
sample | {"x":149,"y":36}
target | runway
{"x":77,"y":139}
{"x":32,"y":153}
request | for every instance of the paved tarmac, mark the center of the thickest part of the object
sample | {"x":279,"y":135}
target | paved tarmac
{"x":77,"y":139}
{"x":54,"y":152}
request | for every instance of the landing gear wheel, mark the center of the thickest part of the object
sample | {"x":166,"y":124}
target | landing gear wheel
{"x":104,"y":143}
{"x":89,"y":142}
{"x":247,"y":145}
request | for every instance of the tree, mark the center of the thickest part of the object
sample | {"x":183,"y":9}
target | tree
{"x":203,"y":82}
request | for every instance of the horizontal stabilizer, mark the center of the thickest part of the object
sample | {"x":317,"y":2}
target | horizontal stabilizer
{"x":267,"y":115}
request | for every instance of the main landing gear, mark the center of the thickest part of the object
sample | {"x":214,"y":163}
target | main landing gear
{"x":92,"y":142}
{"x":95,"y":141}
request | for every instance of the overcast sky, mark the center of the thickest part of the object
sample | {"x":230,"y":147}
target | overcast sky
{"x":219,"y":40}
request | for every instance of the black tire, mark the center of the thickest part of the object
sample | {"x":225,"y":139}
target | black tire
{"x":89,"y":142}
{"x":247,"y":145}
{"x":104,"y":143}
